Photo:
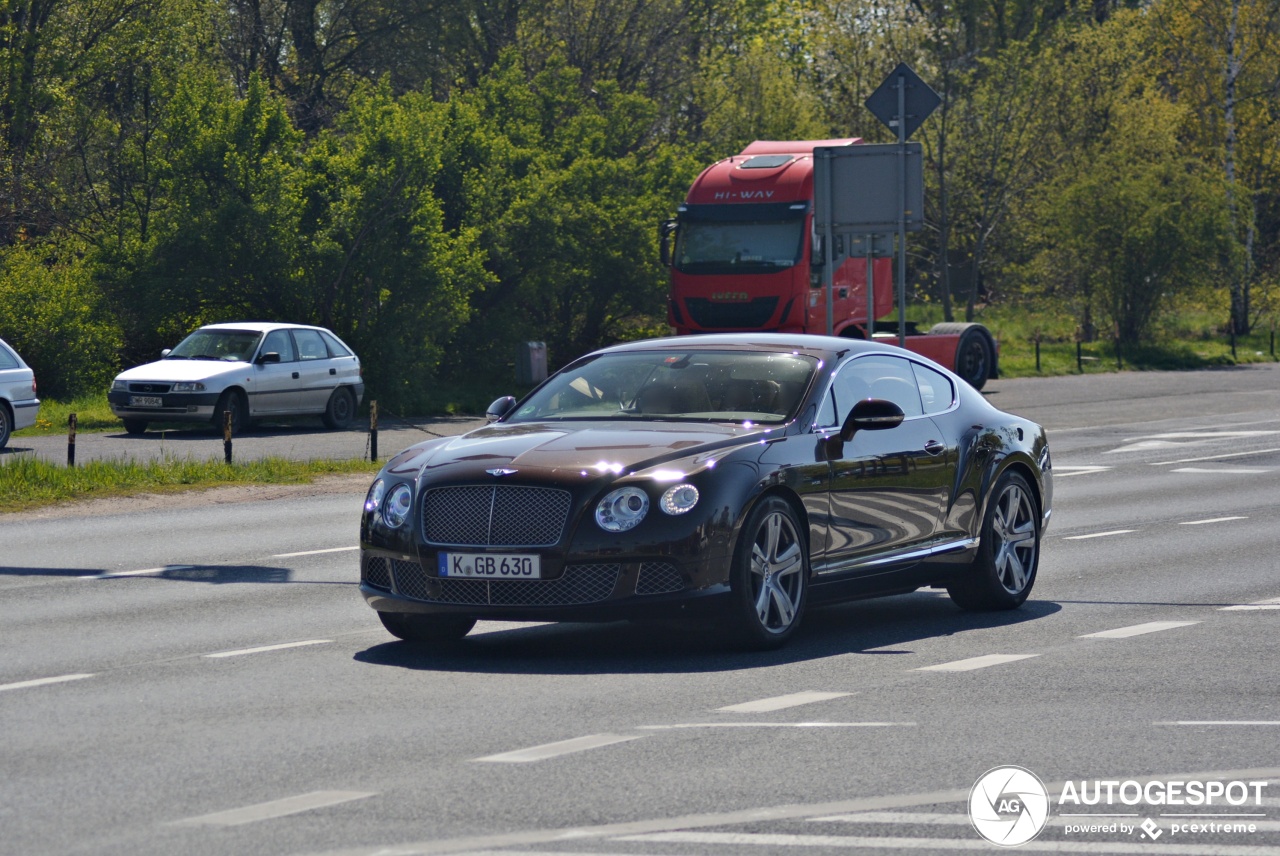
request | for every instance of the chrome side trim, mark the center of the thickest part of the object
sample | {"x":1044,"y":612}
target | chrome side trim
{"x":894,"y":558}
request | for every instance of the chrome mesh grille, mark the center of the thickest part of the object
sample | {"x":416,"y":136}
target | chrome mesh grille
{"x":495,"y":516}
{"x":578,"y":584}
{"x":658,"y":578}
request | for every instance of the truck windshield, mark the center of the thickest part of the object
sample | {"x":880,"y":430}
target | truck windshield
{"x":740,"y":246}
{"x":666,"y":385}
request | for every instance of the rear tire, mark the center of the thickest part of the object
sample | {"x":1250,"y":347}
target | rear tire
{"x":769,"y":578}
{"x":975,"y":352}
{"x":340,"y":410}
{"x":6,"y":425}
{"x":135,"y":426}
{"x":426,"y":628}
{"x":1004,"y":570}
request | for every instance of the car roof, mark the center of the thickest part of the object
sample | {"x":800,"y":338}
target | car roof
{"x":825,"y":347}
{"x":259,"y":326}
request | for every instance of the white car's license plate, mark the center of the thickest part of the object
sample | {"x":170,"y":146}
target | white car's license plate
{"x":146,"y":401}
{"x":491,"y":566}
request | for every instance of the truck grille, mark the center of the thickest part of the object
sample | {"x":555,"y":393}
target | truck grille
{"x":579,"y":584}
{"x":494,"y":516}
{"x":741,"y":316}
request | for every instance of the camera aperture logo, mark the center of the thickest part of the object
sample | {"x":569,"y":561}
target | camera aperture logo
{"x":1008,"y":806}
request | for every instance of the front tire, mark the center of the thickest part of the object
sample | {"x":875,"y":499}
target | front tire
{"x":340,"y":410}
{"x":426,"y":628}
{"x":769,"y":578}
{"x":134,"y":427}
{"x":1004,"y":570}
{"x":233,"y":401}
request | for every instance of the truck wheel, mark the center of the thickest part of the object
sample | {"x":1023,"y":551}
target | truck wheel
{"x":975,"y":352}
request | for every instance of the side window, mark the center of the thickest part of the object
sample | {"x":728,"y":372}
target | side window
{"x":7,"y":360}
{"x":310,"y":345}
{"x":279,"y":341}
{"x":336,"y":348}
{"x":936,"y":392}
{"x":876,"y":376}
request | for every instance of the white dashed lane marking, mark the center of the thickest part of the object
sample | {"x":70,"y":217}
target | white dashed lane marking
{"x":1137,"y":630}
{"x":1210,"y":520}
{"x":40,"y":682}
{"x":562,"y":747}
{"x":767,"y":705}
{"x":762,"y":839}
{"x":315,"y":552}
{"x":144,"y":572}
{"x":1272,"y":603}
{"x":777,"y":725}
{"x":1097,"y":535}
{"x":975,"y":663}
{"x":274,"y":809}
{"x":282,"y":646}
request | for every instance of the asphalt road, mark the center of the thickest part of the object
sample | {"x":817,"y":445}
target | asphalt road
{"x":208,"y":681}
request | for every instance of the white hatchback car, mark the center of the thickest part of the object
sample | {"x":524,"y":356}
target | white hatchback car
{"x":18,"y":402}
{"x":250,"y":370}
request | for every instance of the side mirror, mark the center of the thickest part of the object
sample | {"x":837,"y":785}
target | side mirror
{"x":268,"y":357}
{"x":500,"y":408}
{"x":871,"y":414}
{"x":665,"y":230}
{"x":165,"y":352}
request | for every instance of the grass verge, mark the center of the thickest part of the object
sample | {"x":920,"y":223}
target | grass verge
{"x":27,"y":482}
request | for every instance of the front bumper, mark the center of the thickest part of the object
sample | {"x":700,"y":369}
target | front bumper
{"x":174,"y":406}
{"x":589,"y":590}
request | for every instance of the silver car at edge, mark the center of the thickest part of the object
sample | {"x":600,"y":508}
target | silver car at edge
{"x":249,"y":370}
{"x":18,"y":403}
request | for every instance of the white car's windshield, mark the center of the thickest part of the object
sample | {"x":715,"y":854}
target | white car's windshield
{"x":231,"y":345}
{"x":709,"y":386}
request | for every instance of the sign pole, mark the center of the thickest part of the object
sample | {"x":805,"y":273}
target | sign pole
{"x":871,"y":293}
{"x":828,"y":241}
{"x":902,"y":210}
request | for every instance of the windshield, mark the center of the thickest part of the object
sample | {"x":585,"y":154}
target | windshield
{"x":230,"y":345}
{"x":759,"y":246}
{"x":706,"y":386}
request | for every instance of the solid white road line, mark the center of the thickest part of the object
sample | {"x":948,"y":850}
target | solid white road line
{"x":1234,"y":471}
{"x":736,"y":839}
{"x":262,"y":648}
{"x":1222,"y":722}
{"x":975,"y":663}
{"x":776,"y":725}
{"x":1270,"y":603}
{"x":1138,"y":629}
{"x":274,"y":809}
{"x":111,"y":574}
{"x":1097,"y":535}
{"x":562,"y":747}
{"x":40,"y":682}
{"x":1211,"y":520}
{"x":315,"y":552}
{"x":934,"y":819}
{"x":1076,"y":471}
{"x":767,"y":705}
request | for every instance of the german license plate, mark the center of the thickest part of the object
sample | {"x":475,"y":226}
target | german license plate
{"x":146,"y":401}
{"x":491,"y":566}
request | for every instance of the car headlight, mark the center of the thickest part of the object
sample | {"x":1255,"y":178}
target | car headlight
{"x":396,"y":509}
{"x":679,"y":499}
{"x":188,"y":386}
{"x":374,"y":497}
{"x":622,"y":509}
{"x":119,"y":386}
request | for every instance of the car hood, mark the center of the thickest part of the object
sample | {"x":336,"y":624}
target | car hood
{"x":571,"y":451}
{"x":175,"y":370}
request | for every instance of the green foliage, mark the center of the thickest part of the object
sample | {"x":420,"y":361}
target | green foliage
{"x":52,"y":313}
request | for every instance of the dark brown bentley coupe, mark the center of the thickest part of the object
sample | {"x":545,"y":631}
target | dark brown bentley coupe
{"x":735,"y":478}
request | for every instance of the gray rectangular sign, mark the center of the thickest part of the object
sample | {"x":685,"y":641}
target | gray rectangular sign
{"x":856,"y":188}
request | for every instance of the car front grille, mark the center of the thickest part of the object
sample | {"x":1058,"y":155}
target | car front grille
{"x":659,"y":578}
{"x":151,"y":388}
{"x":579,"y":584}
{"x":494,"y":516}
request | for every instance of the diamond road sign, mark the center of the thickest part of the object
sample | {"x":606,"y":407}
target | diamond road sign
{"x":918,"y":102}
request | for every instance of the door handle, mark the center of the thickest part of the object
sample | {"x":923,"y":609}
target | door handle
{"x":333,"y":371}
{"x":295,"y":375}
{"x":933,"y":447}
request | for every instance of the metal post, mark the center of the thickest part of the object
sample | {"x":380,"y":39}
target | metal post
{"x":828,"y":245}
{"x":373,"y":430}
{"x":1079,"y":356}
{"x":902,"y":210}
{"x":871,"y":292}
{"x":71,"y":440}
{"x":226,"y":434}
{"x":1037,"y":354}
{"x":1232,"y":325}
